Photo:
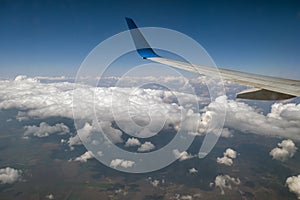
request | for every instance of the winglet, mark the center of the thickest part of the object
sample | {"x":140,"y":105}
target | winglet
{"x":142,"y":46}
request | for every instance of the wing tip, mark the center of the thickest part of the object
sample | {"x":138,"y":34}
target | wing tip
{"x":142,"y":46}
{"x":130,"y":23}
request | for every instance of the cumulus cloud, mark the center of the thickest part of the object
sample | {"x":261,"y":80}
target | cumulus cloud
{"x":84,"y":157}
{"x":186,"y":197}
{"x":44,"y":130}
{"x":132,"y":142}
{"x":9,"y":175}
{"x":88,"y":132}
{"x":226,"y":133}
{"x":74,"y":140}
{"x":154,"y":183}
{"x":286,"y":149}
{"x":182,"y":155}
{"x":225,"y":160}
{"x":283,"y":120}
{"x":228,"y":157}
{"x":293,"y":184}
{"x":147,"y":146}
{"x":50,"y":196}
{"x":230,"y":153}
{"x":122,"y":163}
{"x":225,"y":181}
{"x":193,"y":171}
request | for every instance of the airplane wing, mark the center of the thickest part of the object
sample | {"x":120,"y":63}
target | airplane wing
{"x":263,"y":87}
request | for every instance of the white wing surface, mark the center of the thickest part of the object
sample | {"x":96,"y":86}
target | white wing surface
{"x":263,"y":87}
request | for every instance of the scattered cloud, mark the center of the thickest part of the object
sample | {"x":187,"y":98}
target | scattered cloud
{"x":193,"y":171}
{"x":286,"y":149}
{"x":88,"y":131}
{"x":122,"y":163}
{"x":226,"y":133}
{"x":182,"y":155}
{"x":228,"y":157}
{"x":225,"y":160}
{"x":230,"y":153}
{"x":84,"y":157}
{"x":154,"y":183}
{"x":50,"y":196}
{"x":44,"y":130}
{"x":225,"y":181}
{"x":293,"y":184}
{"x":74,"y":140}
{"x":147,"y":146}
{"x":9,"y":175}
{"x":132,"y":142}
{"x":186,"y":197}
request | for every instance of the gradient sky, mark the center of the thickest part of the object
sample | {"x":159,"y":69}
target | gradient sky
{"x":52,"y":38}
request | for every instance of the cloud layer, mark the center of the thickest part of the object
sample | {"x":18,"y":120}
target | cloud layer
{"x":54,"y":99}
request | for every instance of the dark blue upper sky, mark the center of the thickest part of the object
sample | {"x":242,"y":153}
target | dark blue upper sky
{"x":52,"y":38}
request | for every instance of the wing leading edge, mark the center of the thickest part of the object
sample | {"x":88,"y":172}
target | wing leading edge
{"x":264,"y":87}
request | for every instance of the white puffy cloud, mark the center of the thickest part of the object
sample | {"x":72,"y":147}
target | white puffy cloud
{"x":86,"y":133}
{"x":74,"y":140}
{"x":225,"y":160}
{"x":282,"y":121}
{"x":84,"y":157}
{"x":9,"y":175}
{"x":228,"y":157}
{"x":286,"y":149}
{"x":230,"y":153}
{"x":182,"y":155}
{"x":186,"y":197}
{"x":225,"y":181}
{"x":115,"y":135}
{"x":122,"y":163}
{"x":154,"y":183}
{"x":50,"y":196}
{"x":226,"y":133}
{"x":44,"y":130}
{"x":147,"y":146}
{"x":132,"y":142}
{"x":193,"y":171}
{"x":293,"y":184}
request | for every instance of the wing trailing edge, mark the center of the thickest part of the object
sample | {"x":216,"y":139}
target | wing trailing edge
{"x":262,"y":94}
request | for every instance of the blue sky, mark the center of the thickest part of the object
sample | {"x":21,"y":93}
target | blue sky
{"x":52,"y":38}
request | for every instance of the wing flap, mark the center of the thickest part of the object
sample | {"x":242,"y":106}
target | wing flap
{"x":262,"y":94}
